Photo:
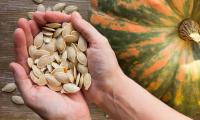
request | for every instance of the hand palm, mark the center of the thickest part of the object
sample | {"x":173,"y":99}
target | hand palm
{"x":47,"y":103}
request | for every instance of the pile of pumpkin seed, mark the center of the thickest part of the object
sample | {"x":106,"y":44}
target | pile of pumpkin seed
{"x":58,"y":59}
{"x":64,"y":48}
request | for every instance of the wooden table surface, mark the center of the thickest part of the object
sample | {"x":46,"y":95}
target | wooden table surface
{"x":10,"y":12}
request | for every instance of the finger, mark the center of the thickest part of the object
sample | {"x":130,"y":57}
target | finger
{"x":23,"y":82}
{"x":34,"y":27}
{"x":85,"y":28}
{"x":21,"y":48}
{"x":39,"y":18}
{"x":23,"y":23}
{"x":57,"y":17}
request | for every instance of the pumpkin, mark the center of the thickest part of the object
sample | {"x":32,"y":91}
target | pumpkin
{"x":157,"y":45}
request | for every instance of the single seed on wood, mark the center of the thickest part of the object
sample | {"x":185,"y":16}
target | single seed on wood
{"x":69,"y":9}
{"x":41,"y":8}
{"x":17,"y":100}
{"x":30,"y":15}
{"x":38,"y":1}
{"x":9,"y":87}
{"x":59,"y":6}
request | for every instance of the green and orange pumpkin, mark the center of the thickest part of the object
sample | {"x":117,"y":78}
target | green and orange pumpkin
{"x":157,"y":45}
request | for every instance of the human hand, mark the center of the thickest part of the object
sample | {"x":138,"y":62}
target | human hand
{"x":102,"y":62}
{"x":47,"y":103}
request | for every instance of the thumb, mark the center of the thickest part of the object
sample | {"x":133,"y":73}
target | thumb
{"x":86,"y":29}
{"x":21,"y":78}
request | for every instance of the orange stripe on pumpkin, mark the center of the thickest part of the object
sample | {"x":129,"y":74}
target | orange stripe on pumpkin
{"x":129,"y":53}
{"x":114,"y":24}
{"x":94,"y":4}
{"x":181,"y":72}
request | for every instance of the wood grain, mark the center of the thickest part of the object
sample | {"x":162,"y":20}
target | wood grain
{"x":10,"y":12}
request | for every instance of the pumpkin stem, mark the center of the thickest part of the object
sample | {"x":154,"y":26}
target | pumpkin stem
{"x":189,"y":30}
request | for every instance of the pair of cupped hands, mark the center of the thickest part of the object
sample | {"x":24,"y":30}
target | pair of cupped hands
{"x":102,"y":64}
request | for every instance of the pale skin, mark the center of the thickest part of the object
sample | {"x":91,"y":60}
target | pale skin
{"x":111,"y":89}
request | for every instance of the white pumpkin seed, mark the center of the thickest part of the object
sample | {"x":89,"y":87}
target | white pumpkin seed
{"x":36,"y":61}
{"x":87,"y":81}
{"x":54,"y":88}
{"x":30,"y":62}
{"x":81,"y":58}
{"x":30,"y":15}
{"x":74,"y":72}
{"x":82,"y":69}
{"x":62,"y":77}
{"x":32,"y":50}
{"x":59,"y":69}
{"x":9,"y":87}
{"x":47,"y":33}
{"x":70,"y":76}
{"x":81,"y":81}
{"x":53,"y":25}
{"x":57,"y":32}
{"x":38,"y":1}
{"x":67,"y":29}
{"x":37,"y":72}
{"x":48,"y":9}
{"x":60,"y":44}
{"x":59,"y":6}
{"x":50,"y":47}
{"x":17,"y":100}
{"x":44,"y":61}
{"x":39,"y":53}
{"x":64,"y":64}
{"x":49,"y":67}
{"x":57,"y":57}
{"x":51,"y":80}
{"x":78,"y":79}
{"x":47,"y":39}
{"x":39,"y":81}
{"x":71,"y":54}
{"x":71,"y":88}
{"x":69,"y":9}
{"x":43,"y":69}
{"x":64,"y":56}
{"x":82,"y":44}
{"x":49,"y":29}
{"x":70,"y":38}
{"x":55,"y":65}
{"x":41,"y":8}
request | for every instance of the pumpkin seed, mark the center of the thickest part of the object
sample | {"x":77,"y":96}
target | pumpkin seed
{"x":78,"y":79}
{"x":81,"y":58}
{"x":64,"y":56}
{"x":47,"y":33}
{"x":69,"y":9}
{"x":38,"y":1}
{"x":61,"y":77}
{"x":44,"y":61}
{"x":59,"y":6}
{"x":67,"y":29}
{"x":17,"y":100}
{"x":55,"y":65}
{"x":51,"y":80}
{"x":39,"y":53}
{"x":30,"y":62}
{"x":43,"y":69}
{"x":49,"y":29}
{"x":47,"y":39}
{"x":76,"y":34}
{"x":71,"y":54}
{"x":53,"y":25}
{"x":48,"y":9}
{"x":37,"y":72}
{"x":54,"y":88}
{"x":32,"y":50}
{"x":49,"y":67}
{"x":60,"y":44}
{"x":9,"y":87}
{"x":36,"y":61}
{"x":70,"y":88}
{"x":41,"y":8}
{"x":82,"y":69}
{"x":39,"y":81}
{"x":87,"y":81}
{"x":81,"y":81}
{"x":82,"y":44}
{"x":70,"y":76}
{"x":50,"y":47}
{"x":74,"y":72}
{"x":30,"y":15}
{"x":59,"y":69}
{"x":57,"y":32}
{"x":70,"y":38}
